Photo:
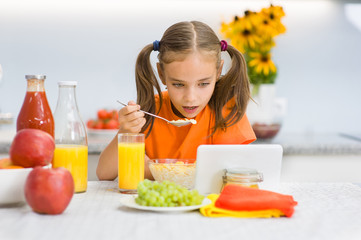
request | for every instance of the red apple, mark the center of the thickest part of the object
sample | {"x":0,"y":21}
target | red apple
{"x":49,"y":190}
{"x":32,"y":147}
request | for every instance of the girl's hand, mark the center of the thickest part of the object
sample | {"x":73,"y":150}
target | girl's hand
{"x":130,"y":119}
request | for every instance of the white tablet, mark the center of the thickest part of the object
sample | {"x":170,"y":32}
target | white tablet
{"x":212,"y":160}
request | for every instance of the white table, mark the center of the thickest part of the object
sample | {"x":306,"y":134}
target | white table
{"x":324,"y":211}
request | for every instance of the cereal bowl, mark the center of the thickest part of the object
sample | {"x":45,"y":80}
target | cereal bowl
{"x":12,"y":182}
{"x":179,"y":171}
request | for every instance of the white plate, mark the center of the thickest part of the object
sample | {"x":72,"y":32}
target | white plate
{"x":102,"y":132}
{"x":129,"y":201}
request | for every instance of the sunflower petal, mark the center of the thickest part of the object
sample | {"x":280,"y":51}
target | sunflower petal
{"x":266,"y":69}
{"x":272,"y":66}
{"x":253,"y":62}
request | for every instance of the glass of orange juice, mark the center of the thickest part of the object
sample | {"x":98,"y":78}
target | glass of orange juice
{"x":131,"y":153}
{"x":75,"y":159}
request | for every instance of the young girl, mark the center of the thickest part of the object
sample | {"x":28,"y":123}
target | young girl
{"x":190,"y":67}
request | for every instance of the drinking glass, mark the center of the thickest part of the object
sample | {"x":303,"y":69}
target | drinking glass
{"x":131,"y":153}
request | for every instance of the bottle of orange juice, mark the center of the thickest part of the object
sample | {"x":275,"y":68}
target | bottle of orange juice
{"x":71,"y":150}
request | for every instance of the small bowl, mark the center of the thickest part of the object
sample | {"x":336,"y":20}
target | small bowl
{"x":179,"y":171}
{"x":12,"y":182}
{"x":266,"y":131}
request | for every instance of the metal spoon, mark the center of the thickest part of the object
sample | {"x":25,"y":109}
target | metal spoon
{"x":180,"y":123}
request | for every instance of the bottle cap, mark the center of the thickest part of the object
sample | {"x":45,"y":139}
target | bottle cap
{"x":67,"y":83}
{"x":35,"y":76}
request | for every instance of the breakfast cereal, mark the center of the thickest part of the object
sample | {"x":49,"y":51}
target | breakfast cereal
{"x":179,"y":172}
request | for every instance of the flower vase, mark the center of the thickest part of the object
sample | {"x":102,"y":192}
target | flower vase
{"x":265,"y":112}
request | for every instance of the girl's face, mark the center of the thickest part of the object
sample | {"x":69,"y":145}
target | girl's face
{"x":190,"y":83}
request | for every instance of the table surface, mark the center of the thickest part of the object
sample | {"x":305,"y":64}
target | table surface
{"x":324,"y":211}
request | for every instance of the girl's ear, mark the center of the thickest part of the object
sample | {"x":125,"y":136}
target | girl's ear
{"x":220,"y":69}
{"x":160,"y":73}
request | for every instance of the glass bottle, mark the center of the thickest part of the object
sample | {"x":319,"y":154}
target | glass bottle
{"x":71,"y":150}
{"x":242,"y":176}
{"x":35,"y":111}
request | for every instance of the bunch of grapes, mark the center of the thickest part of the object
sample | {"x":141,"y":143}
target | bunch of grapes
{"x":166,"y":194}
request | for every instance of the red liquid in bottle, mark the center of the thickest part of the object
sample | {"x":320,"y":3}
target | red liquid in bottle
{"x":36,"y":113}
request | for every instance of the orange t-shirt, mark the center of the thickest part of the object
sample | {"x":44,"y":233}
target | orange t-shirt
{"x":168,"y":141}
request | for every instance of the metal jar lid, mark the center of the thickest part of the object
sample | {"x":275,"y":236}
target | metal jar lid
{"x":245,"y":175}
{"x":41,"y":77}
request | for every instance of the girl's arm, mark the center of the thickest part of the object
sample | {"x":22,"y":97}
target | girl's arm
{"x":107,"y":168}
{"x":131,"y":121}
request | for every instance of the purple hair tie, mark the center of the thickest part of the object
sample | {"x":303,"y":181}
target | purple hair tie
{"x":224,"y":45}
{"x":156,"y":45}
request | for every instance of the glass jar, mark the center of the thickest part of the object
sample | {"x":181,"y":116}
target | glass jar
{"x":35,"y":111}
{"x":242,"y":176}
{"x":71,"y":150}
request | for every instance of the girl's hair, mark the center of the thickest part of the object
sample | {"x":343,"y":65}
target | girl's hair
{"x":179,"y":40}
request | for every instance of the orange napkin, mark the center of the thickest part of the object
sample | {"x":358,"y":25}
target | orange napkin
{"x":212,"y":211}
{"x":239,"y":198}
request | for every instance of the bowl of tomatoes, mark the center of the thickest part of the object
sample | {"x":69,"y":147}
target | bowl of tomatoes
{"x":106,"y":122}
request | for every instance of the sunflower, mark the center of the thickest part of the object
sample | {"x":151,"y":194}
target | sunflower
{"x":274,"y":12}
{"x":248,"y":39}
{"x":262,"y":63}
{"x":253,"y":34}
{"x":272,"y":16}
{"x":250,"y":19}
{"x":267,"y":27}
{"x":242,"y":33}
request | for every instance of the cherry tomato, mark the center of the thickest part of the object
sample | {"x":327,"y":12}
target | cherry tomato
{"x":98,"y":125}
{"x":102,"y":114}
{"x":90,"y":123}
{"x":113,"y":114}
{"x":111,"y":124}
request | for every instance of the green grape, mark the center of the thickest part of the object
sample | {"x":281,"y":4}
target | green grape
{"x":166,"y":194}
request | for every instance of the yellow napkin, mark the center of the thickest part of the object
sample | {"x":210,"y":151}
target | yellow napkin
{"x":211,"y":210}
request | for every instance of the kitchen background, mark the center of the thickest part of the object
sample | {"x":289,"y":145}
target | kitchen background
{"x":96,"y":42}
